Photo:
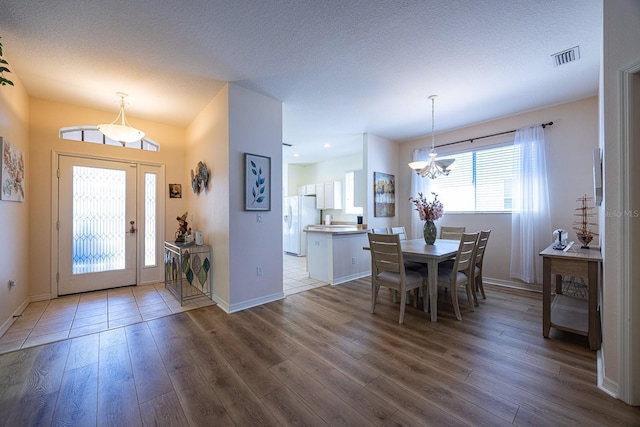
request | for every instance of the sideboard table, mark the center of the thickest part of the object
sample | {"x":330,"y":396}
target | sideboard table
{"x":567,"y":313}
{"x":187,"y":270}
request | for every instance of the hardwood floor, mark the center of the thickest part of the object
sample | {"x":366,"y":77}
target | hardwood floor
{"x":317,"y":358}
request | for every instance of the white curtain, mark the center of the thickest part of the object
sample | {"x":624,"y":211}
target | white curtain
{"x":530,"y":220}
{"x":418,"y":185}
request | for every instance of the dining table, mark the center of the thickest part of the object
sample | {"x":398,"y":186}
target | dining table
{"x":431,"y":255}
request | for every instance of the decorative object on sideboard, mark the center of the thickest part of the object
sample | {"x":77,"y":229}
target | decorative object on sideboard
{"x":384,"y":194}
{"x":4,"y":69}
{"x":560,"y":237}
{"x":12,"y":173}
{"x":175,"y":191}
{"x":433,"y":168}
{"x":184,"y":232}
{"x":200,"y":178}
{"x":124,"y":133}
{"x":584,"y":214}
{"x":257,"y":182}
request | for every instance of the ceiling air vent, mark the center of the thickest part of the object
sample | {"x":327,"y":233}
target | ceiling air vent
{"x":566,"y":56}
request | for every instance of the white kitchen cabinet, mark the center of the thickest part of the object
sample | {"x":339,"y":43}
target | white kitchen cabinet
{"x":307,"y":190}
{"x":329,"y":195}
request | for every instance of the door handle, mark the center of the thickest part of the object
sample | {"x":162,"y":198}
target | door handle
{"x":132,"y":229}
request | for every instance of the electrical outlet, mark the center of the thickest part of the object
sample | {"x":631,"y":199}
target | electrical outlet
{"x":12,"y":283}
{"x":259,"y":218}
{"x":259,"y":270}
{"x":353,"y":260}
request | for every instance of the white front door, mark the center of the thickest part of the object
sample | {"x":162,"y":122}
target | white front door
{"x":97,"y":241}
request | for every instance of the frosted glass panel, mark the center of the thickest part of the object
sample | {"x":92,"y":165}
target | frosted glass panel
{"x":149,"y":219}
{"x":99,"y":222}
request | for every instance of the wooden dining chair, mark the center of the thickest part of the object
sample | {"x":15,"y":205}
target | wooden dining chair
{"x":461,"y":273}
{"x":481,"y":247}
{"x":389,"y":271}
{"x":408,"y":265}
{"x":380,"y":230}
{"x":399,"y":231}
{"x":452,"y":233}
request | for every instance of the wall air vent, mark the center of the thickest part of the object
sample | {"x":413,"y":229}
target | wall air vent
{"x":566,"y":56}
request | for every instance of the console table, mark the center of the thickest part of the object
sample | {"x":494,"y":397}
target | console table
{"x":187,"y":268}
{"x":567,"y":313}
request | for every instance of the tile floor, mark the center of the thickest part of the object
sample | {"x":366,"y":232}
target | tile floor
{"x":74,"y":315}
{"x":295,"y":276}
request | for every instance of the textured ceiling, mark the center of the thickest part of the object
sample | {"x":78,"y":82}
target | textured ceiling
{"x":340,"y":68}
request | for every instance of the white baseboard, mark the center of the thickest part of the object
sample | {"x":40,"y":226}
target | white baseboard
{"x":351,"y":277}
{"x":42,"y":297}
{"x":14,"y":316}
{"x":534,"y":287}
{"x":18,"y":311}
{"x":232,"y":308}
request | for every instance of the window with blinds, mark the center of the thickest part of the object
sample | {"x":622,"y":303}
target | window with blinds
{"x":480,"y":182}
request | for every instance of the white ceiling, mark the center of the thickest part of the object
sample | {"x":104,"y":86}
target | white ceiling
{"x":340,"y":67}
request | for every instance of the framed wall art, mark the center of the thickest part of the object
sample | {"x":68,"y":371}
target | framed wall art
{"x":384,"y":194}
{"x":257,"y":182}
{"x":12,"y":175}
{"x":175,"y":191}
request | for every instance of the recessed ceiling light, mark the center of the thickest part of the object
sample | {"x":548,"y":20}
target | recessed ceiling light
{"x":327,"y":145}
{"x":296,"y":155}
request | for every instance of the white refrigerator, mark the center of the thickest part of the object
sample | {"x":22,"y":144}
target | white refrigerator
{"x":299,"y":212}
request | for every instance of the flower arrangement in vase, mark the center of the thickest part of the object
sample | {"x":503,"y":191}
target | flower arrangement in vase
{"x":429,"y":212}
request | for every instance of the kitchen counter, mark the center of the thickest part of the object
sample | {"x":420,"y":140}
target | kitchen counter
{"x":335,"y":255}
{"x":335,"y":229}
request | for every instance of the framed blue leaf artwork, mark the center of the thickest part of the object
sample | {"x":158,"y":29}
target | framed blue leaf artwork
{"x":257,"y":182}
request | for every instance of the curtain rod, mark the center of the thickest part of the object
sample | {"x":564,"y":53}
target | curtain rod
{"x":544,"y":125}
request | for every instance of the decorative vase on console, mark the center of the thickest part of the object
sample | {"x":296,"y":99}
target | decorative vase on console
{"x":429,"y":213}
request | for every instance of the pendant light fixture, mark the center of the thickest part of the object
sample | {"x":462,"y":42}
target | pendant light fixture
{"x":123,"y":132}
{"x":433,"y":168}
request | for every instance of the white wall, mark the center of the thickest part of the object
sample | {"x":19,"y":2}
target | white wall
{"x":381,"y":155}
{"x":620,"y":355}
{"x":569,"y":145}
{"x":255,"y":126}
{"x":239,"y":121}
{"x":322,"y":172}
{"x":14,"y":216}
{"x":208,"y":141}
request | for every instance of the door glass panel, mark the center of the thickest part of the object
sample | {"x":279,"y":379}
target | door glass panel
{"x":149,"y":219}
{"x":99,"y":221}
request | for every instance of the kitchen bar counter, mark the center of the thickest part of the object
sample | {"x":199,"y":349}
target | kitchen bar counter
{"x":335,"y":255}
{"x":334,"y":229}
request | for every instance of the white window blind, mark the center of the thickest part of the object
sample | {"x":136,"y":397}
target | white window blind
{"x":480,"y":182}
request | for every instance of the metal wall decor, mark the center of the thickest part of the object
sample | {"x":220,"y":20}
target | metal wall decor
{"x":199,"y":178}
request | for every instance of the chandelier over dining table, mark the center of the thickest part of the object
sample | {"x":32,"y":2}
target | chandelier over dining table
{"x":433,"y":168}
